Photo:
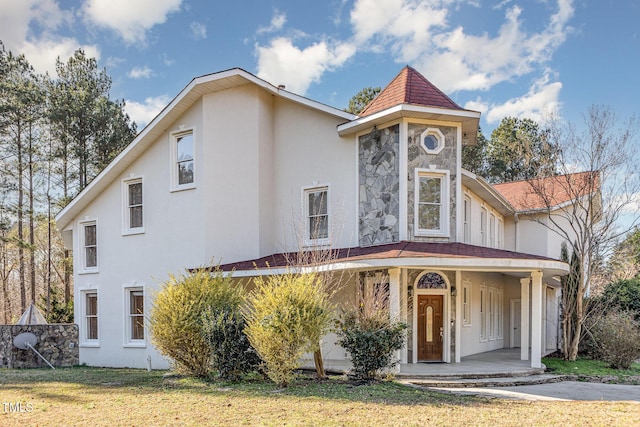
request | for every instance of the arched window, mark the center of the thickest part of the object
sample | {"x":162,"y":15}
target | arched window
{"x":432,"y":281}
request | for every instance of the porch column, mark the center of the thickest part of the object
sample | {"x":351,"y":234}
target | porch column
{"x":524,"y":318}
{"x":536,"y":319}
{"x":394,"y":300}
{"x":458,"y":322}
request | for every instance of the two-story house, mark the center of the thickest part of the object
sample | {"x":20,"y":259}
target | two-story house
{"x":242,"y":172}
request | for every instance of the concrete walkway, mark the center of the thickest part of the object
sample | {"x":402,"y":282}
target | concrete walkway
{"x":564,"y":390}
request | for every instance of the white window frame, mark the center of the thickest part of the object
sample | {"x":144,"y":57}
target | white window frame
{"x":467,"y":219}
{"x":483,"y":226}
{"x":483,"y":313}
{"x":443,"y":175}
{"x":500,"y":238}
{"x":437,"y":134}
{"x":128,"y":317}
{"x":83,"y":267}
{"x":174,"y":137}
{"x":85,"y":341}
{"x":126,"y":211}
{"x":467,"y":302}
{"x":309,"y":240}
{"x":492,"y":230}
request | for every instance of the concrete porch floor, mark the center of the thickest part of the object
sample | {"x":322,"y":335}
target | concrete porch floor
{"x":498,"y":363}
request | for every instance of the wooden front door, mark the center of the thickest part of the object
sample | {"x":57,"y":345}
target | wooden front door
{"x":430,"y":328}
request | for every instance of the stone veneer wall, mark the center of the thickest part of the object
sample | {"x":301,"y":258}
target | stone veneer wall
{"x":58,"y":343}
{"x":444,"y":160}
{"x":378,"y":169}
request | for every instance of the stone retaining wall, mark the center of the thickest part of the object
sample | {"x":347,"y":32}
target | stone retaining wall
{"x":57,"y":343}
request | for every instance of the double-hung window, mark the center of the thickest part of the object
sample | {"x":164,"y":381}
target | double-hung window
{"x":431,"y":203}
{"x":91,"y":317}
{"x":134,"y":321}
{"x":483,"y":226}
{"x":183,"y":156}
{"x":467,"y":219}
{"x":89,"y":243}
{"x":133,"y":212}
{"x":317,"y":215}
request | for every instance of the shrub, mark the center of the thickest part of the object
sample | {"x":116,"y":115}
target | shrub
{"x":231,"y":352}
{"x":176,"y":319}
{"x":371,"y":341}
{"x":287,"y":316}
{"x":617,"y":339}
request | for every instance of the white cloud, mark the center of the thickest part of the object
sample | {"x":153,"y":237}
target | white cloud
{"x":198,"y":30}
{"x":277,"y":22}
{"x":130,"y":19}
{"x":44,"y":48}
{"x":143,"y":112}
{"x":540,"y":102}
{"x":140,"y":72}
{"x":460,"y":61}
{"x":283,"y":63}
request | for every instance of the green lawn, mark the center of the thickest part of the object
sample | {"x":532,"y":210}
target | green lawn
{"x":116,"y":397}
{"x":590,"y":368}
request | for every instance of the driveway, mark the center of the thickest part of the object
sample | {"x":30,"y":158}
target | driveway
{"x":564,"y":390}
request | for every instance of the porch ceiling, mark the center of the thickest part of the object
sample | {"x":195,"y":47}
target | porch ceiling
{"x":445,"y":256}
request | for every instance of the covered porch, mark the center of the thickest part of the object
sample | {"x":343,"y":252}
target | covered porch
{"x":468,"y":307}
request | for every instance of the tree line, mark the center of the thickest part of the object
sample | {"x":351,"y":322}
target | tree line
{"x":56,"y":134}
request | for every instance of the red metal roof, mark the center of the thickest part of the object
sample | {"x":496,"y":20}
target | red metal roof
{"x":548,"y":192}
{"x":409,"y":87}
{"x":393,"y":250}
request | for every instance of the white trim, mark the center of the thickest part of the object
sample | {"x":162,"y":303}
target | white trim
{"x":126,"y":318}
{"x":83,"y":327}
{"x":467,"y":311}
{"x":444,"y":176}
{"x":173,"y":159}
{"x":316,"y":188}
{"x":439,"y":137}
{"x":512,"y":321}
{"x":403,"y":184}
{"x":82,"y":261}
{"x":126,"y":218}
{"x":483,"y":312}
{"x":446,"y":314}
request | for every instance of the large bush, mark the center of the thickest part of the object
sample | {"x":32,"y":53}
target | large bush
{"x":624,"y":295}
{"x":231,"y":352}
{"x":371,"y":340}
{"x":176,"y":319}
{"x":287,"y":316}
{"x":617,"y":340}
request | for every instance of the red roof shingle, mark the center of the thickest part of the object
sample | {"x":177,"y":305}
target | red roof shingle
{"x":548,"y":192}
{"x":392,"y":250}
{"x":409,"y":87}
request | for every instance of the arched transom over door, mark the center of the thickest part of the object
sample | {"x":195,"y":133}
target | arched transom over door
{"x":430,"y":319}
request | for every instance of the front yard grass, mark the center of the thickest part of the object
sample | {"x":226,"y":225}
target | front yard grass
{"x":116,"y":397}
{"x":589,"y":369}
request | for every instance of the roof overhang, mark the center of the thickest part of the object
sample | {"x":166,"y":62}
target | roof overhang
{"x":470,"y":119}
{"x":422,"y":255}
{"x":199,"y":86}
{"x":482,"y":188}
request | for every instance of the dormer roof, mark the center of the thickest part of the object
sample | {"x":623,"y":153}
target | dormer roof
{"x":409,"y":87}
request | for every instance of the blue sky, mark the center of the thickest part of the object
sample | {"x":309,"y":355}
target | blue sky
{"x":500,"y":57}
